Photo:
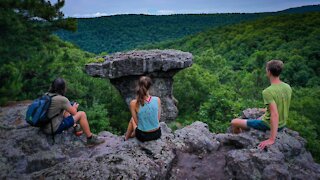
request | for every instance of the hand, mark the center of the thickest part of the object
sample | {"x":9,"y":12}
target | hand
{"x":266,"y":143}
{"x":75,"y":105}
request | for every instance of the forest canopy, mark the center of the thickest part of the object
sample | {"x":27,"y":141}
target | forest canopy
{"x":227,"y":77}
{"x":124,"y":32}
{"x":229,"y":71}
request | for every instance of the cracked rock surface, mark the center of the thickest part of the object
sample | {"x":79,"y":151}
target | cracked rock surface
{"x":188,"y":153}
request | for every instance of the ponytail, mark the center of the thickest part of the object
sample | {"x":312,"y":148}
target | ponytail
{"x":144,"y":85}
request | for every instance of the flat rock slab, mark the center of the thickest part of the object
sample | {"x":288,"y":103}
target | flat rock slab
{"x":139,"y":63}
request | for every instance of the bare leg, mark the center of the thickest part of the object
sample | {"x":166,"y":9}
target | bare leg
{"x":131,"y":129}
{"x":82,"y":118}
{"x":238,"y":125}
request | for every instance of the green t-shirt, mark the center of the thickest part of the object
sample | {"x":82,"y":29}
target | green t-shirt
{"x":281,"y":95}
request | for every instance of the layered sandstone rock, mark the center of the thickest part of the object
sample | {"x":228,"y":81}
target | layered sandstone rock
{"x":124,"y":69}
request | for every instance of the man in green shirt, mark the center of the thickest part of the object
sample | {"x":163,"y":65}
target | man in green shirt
{"x":277,"y":98}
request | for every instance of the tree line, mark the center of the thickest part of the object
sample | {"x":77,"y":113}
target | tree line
{"x":227,"y":76}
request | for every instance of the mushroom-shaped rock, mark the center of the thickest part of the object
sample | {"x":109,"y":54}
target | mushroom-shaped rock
{"x":124,"y":69}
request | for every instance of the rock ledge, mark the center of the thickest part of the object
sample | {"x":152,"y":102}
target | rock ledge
{"x":188,"y":153}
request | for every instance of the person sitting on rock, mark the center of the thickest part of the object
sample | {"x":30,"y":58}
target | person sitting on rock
{"x":67,"y":115}
{"x":145,"y":111}
{"x":277,"y":98}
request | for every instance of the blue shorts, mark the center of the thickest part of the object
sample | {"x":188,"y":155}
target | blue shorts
{"x":66,"y":123}
{"x":259,"y":125}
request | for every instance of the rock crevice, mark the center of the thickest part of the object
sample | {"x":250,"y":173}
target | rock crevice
{"x":188,"y":153}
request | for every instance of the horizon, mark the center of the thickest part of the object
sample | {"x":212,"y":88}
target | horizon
{"x":97,"y":8}
{"x":85,"y":17}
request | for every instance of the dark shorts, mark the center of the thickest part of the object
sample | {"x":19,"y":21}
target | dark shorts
{"x":66,"y":123}
{"x":259,"y":125}
{"x":148,"y":136}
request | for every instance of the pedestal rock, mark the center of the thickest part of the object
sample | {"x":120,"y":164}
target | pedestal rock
{"x":124,"y":69}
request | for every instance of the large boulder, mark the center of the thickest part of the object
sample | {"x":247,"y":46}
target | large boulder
{"x":192,"y":152}
{"x":124,"y":69}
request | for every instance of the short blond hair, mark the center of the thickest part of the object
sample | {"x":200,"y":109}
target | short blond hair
{"x":275,"y":67}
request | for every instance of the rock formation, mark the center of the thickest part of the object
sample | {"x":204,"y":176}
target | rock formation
{"x":124,"y":69}
{"x":188,"y":153}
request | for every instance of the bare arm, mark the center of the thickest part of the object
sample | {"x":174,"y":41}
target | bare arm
{"x":73,"y":109}
{"x":159,"y":107}
{"x":274,"y":123}
{"x":133,"y":110}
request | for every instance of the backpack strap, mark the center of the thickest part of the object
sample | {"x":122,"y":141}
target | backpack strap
{"x":52,"y":134}
{"x":50,"y":105}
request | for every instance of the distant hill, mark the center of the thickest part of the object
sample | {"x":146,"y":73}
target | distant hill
{"x":293,"y":38}
{"x":228,"y":70}
{"x":125,"y":32}
{"x":302,"y":9}
{"x":227,"y":76}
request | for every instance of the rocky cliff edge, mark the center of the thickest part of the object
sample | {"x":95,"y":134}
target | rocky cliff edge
{"x":188,"y":153}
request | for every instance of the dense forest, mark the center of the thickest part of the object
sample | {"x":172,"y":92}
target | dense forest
{"x":31,"y":57}
{"x":124,"y":32}
{"x":229,"y":71}
{"x":227,"y":77}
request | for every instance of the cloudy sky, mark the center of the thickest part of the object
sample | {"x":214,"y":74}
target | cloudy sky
{"x":93,"y":8}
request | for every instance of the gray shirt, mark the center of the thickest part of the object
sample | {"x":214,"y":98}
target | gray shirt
{"x":58,"y":105}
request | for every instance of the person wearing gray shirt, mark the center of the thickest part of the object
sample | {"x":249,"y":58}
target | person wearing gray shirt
{"x":64,"y":115}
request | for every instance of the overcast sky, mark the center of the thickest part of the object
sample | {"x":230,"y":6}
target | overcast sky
{"x":93,"y":8}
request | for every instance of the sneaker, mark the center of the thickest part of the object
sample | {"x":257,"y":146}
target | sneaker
{"x":77,"y":130}
{"x":94,"y":140}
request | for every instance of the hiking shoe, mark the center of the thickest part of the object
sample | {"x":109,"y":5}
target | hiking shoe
{"x":94,"y":140}
{"x":77,"y":130}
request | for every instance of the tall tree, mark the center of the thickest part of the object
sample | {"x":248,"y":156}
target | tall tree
{"x":25,"y":24}
{"x":26,"y":44}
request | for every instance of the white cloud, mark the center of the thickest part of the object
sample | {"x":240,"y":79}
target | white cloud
{"x":97,"y":14}
{"x":165,"y":12}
